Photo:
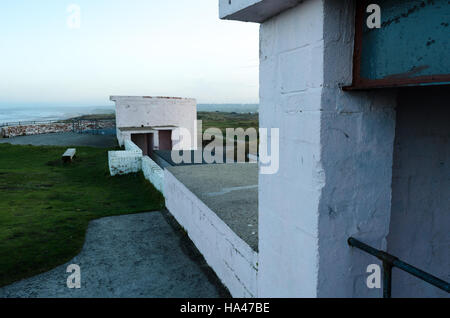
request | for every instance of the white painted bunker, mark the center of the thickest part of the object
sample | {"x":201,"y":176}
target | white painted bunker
{"x":156,"y":123}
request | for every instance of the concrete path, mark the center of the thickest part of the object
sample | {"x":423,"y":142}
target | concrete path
{"x":139,"y":255}
{"x":64,"y":139}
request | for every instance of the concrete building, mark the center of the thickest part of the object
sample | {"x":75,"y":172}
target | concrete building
{"x":156,"y":123}
{"x":360,"y":155}
{"x":149,"y":124}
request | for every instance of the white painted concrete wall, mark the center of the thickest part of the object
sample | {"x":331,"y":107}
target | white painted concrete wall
{"x":153,"y":173}
{"x":143,"y":111}
{"x":233,"y":260}
{"x":131,"y":147}
{"x":131,"y":161}
{"x":336,"y":153}
{"x":420,"y":223}
{"x":357,"y":137}
{"x":124,"y":162}
{"x":290,"y":94}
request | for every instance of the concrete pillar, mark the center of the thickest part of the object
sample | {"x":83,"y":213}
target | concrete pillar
{"x":336,"y":152}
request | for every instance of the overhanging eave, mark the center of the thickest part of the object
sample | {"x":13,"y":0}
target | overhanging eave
{"x":253,"y":10}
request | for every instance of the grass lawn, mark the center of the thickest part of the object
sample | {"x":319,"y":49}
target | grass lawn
{"x":45,"y":206}
{"x":223,"y":120}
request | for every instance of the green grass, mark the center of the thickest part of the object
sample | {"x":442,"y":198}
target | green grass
{"x":224,"y":120}
{"x":45,"y":206}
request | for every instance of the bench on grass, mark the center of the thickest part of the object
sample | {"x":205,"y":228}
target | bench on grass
{"x":68,"y":156}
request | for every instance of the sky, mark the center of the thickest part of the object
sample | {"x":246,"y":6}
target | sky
{"x":124,"y":47}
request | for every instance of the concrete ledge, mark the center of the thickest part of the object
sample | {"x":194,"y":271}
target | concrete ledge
{"x":131,"y":147}
{"x":253,"y":10}
{"x":153,"y":173}
{"x":233,"y":260}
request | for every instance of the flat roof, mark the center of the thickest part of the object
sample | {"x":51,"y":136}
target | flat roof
{"x":230,"y":190}
{"x":116,"y":97}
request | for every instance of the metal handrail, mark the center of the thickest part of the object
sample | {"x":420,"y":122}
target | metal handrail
{"x":390,"y":261}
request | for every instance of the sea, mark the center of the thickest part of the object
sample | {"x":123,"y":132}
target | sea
{"x":41,"y":113}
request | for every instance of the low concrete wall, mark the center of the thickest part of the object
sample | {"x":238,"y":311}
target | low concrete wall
{"x":124,"y":162}
{"x":131,"y":161}
{"x":153,"y":173}
{"x":131,"y":146}
{"x":234,"y":262}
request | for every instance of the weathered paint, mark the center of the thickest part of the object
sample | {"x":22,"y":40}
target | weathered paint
{"x":124,"y":162}
{"x":410,"y":48}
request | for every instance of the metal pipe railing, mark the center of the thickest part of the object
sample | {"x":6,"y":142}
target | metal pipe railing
{"x":390,"y":261}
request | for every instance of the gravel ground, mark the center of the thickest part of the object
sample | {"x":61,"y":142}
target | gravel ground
{"x":64,"y":139}
{"x":140,"y":255}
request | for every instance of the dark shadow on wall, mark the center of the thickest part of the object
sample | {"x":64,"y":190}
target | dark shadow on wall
{"x":420,"y":215}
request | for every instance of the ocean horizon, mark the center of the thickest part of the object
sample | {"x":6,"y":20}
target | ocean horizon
{"x":42,"y":113}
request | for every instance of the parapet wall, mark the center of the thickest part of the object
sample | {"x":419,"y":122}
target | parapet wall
{"x":132,"y":161}
{"x":233,"y":260}
{"x":153,"y":173}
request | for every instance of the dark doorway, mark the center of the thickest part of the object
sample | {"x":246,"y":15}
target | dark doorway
{"x":143,"y":141}
{"x":420,"y":213}
{"x":165,"y":139}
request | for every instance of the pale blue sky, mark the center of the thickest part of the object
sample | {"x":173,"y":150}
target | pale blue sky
{"x":124,"y":47}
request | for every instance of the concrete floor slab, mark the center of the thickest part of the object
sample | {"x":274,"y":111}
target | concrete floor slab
{"x":230,"y":190}
{"x":138,"y":255}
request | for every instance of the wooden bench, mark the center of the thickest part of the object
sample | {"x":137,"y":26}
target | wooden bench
{"x":69,"y":155}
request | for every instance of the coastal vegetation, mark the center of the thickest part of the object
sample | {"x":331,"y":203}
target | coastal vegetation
{"x":46,"y":206}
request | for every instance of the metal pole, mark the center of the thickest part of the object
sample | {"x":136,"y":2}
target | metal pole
{"x":387,"y":280}
{"x":390,"y":261}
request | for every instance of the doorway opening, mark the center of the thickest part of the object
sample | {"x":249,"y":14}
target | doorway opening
{"x":144,"y":142}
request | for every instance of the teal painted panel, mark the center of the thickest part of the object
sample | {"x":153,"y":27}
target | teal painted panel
{"x":413,"y":41}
